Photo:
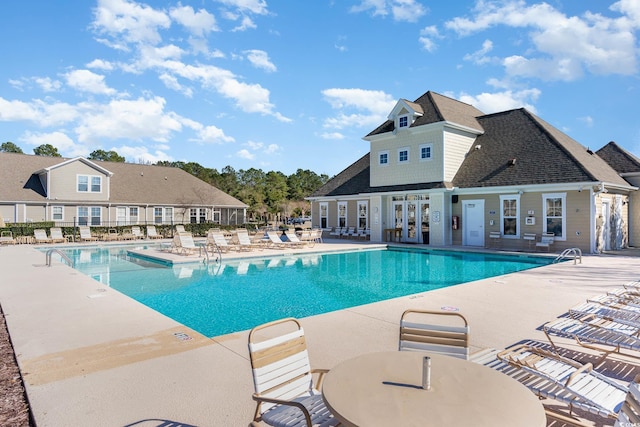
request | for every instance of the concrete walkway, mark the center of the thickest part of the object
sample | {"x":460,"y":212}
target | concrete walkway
{"x":91,"y":356}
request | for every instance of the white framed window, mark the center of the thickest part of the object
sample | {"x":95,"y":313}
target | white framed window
{"x":89,"y":215}
{"x":426,"y":151}
{"x":57,"y":213}
{"x":162,"y":215}
{"x":403,"y":121}
{"x":510,"y":216}
{"x":215,"y":216}
{"x":133,"y":215}
{"x":554,"y":219}
{"x":89,"y":184}
{"x":363,"y":215}
{"x":324,"y":215}
{"x":383,"y":158}
{"x":403,"y":155}
{"x":342,"y":214}
{"x":197,"y":215}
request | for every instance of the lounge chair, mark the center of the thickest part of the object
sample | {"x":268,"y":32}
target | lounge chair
{"x":364,"y":233}
{"x":180,"y":229}
{"x":152,"y":233}
{"x":6,"y":238}
{"x":550,"y":375}
{"x":217,"y":239}
{"x":56,"y":235}
{"x":244,"y":241}
{"x":316,"y":234}
{"x":347,"y":231}
{"x":546,"y":241}
{"x":112,"y":235}
{"x":183,"y":244}
{"x":620,"y":311}
{"x":136,"y":232}
{"x":629,"y":414}
{"x":276,"y":241}
{"x":435,"y":332}
{"x":285,"y":391}
{"x":40,"y":236}
{"x":293,"y":238}
{"x":596,"y":333}
{"x":85,"y":234}
{"x":337,"y":232}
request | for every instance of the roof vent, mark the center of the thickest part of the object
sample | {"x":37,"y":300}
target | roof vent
{"x":512,"y":162}
{"x":589,"y":151}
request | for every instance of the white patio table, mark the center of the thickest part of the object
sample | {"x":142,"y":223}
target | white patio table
{"x":385,"y":389}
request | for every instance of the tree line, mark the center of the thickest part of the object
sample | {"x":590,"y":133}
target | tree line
{"x":268,"y":194}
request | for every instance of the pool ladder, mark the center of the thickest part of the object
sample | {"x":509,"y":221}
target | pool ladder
{"x":62,"y":254}
{"x":576,"y":253}
{"x":216,"y":249}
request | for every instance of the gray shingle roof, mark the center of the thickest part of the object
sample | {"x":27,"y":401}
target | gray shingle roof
{"x":437,"y":108}
{"x":543,"y":155}
{"x":130,"y":183}
{"x":619,"y":158}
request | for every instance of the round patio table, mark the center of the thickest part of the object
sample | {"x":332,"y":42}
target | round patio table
{"x":385,"y":389}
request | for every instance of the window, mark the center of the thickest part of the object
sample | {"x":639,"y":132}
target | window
{"x":363,"y":217}
{"x":57,"y":213}
{"x":162,"y":215}
{"x":197,"y":215}
{"x":403,"y":155}
{"x":383,"y":158}
{"x":554,"y":214}
{"x":425,"y":152}
{"x":403,"y":121}
{"x":84,"y":187}
{"x":133,"y":215}
{"x":342,"y":214}
{"x":324,"y":215}
{"x":510,"y":216}
{"x":89,"y":215}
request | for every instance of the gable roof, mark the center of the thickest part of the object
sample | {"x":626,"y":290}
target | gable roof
{"x":437,"y":108}
{"x":542,"y":153}
{"x":130,"y":183}
{"x":619,"y":159}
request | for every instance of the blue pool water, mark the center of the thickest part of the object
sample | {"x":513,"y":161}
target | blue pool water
{"x":218,"y":299}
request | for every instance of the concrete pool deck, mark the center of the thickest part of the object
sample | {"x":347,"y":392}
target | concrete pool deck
{"x":92,"y":356}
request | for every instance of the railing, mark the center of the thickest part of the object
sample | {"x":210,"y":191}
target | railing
{"x":62,"y":254}
{"x":576,"y":253}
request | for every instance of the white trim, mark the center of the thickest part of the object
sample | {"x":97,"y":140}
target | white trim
{"x":346,"y":214}
{"x":401,"y":150}
{"x":421,"y":147}
{"x":380,"y":153}
{"x":515,"y":197}
{"x":563,"y":197}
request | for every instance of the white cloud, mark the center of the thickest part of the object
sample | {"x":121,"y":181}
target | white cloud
{"x":58,"y":139}
{"x":479,"y":57}
{"x":502,"y":101}
{"x":172,"y":82}
{"x":332,"y":135}
{"x":198,"y":23}
{"x":357,"y":107}
{"x":141,"y":154}
{"x":427,"y":36}
{"x":587,"y":120}
{"x":401,"y":10}
{"x":272,"y":149}
{"x":88,"y":81}
{"x":245,"y":24}
{"x":213,"y":134}
{"x":564,"y":46}
{"x":101,"y":64}
{"x":260,"y":59}
{"x":258,"y":7}
{"x":129,"y":22}
{"x":245,"y":154}
{"x":37,"y":111}
{"x":47,"y":84}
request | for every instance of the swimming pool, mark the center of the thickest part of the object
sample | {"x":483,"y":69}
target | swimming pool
{"x":217,"y":299}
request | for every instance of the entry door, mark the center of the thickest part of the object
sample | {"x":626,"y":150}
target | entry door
{"x":411,"y":231}
{"x":473,"y":223}
{"x":424,"y":219}
{"x":398,"y":217}
{"x":606,"y":225}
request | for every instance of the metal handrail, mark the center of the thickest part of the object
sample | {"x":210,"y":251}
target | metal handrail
{"x":575,"y":252}
{"x":62,"y":254}
{"x":216,"y":248}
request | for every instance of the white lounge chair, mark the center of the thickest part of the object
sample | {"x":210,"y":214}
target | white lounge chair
{"x":285,"y":390}
{"x":336,"y":232}
{"x":441,"y":332}
{"x":56,"y":235}
{"x":180,"y":228}
{"x":276,"y":242}
{"x":152,"y":233}
{"x":6,"y":238}
{"x":85,"y":234}
{"x":136,"y":232}
{"x":293,"y":238}
{"x":244,"y":241}
{"x":40,"y":236}
{"x":217,"y":239}
{"x":546,"y":241}
{"x":183,"y":243}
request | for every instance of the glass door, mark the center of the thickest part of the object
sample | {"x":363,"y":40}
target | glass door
{"x":398,"y":221}
{"x":424,"y":219}
{"x":411,"y":231}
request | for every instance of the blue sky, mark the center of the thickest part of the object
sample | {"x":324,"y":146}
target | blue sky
{"x":281,"y":85}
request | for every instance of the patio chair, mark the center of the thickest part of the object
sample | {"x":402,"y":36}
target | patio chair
{"x":152,"y":233}
{"x":136,"y":232}
{"x":85,"y":234}
{"x":630,"y":412}
{"x":619,"y":311}
{"x":576,"y":384}
{"x":183,"y":244}
{"x":285,"y":391}
{"x":316,"y":234}
{"x":6,"y":238}
{"x":112,"y":235}
{"x":276,"y":242}
{"x":294,"y":239}
{"x":546,"y":241}
{"x":337,"y":231}
{"x":180,"y":229}
{"x":347,"y":231}
{"x":217,"y":239}
{"x":494,"y":239}
{"x":244,"y":241}
{"x":603,"y":335}
{"x":40,"y":236}
{"x":56,"y":235}
{"x":435,"y":332}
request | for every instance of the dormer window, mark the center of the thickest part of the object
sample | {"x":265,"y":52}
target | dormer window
{"x":403,"y":121}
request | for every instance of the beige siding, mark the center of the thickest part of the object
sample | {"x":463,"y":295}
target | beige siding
{"x":36,"y":213}
{"x":7,"y":213}
{"x":63,"y":183}
{"x":456,"y":147}
{"x":414,"y":170}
